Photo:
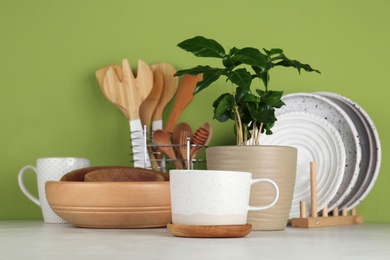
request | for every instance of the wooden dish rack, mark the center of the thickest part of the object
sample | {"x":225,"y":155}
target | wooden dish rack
{"x":335,"y":219}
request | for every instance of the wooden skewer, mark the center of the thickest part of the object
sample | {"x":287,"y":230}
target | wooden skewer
{"x":313,"y":188}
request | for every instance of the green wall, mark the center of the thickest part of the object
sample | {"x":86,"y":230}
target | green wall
{"x":51,"y":105}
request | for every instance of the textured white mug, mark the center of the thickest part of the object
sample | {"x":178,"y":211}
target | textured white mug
{"x":208,"y":197}
{"x":49,"y":169}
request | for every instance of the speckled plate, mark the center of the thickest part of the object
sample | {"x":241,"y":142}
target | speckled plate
{"x":371,"y":149}
{"x":335,"y":115}
{"x":316,"y":140}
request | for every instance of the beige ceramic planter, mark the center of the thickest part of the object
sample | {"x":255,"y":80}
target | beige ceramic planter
{"x":277,"y":163}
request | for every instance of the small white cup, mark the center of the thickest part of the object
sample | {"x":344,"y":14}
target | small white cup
{"x":208,"y":197}
{"x":49,"y":169}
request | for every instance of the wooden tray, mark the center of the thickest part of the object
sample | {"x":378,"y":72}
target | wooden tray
{"x":222,"y":231}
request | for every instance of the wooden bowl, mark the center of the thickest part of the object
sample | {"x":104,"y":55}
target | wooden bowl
{"x":124,"y":174}
{"x":111,"y":204}
{"x":79,"y":174}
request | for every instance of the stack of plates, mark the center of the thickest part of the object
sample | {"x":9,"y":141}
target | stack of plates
{"x":340,"y":137}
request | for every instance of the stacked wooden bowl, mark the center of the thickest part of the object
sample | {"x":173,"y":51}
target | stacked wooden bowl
{"x":112,"y":197}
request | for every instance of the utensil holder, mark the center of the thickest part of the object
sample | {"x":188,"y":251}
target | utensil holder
{"x":156,"y":160}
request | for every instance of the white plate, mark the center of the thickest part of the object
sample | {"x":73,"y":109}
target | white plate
{"x":316,"y":140}
{"x":336,"y":116}
{"x":371,"y":152}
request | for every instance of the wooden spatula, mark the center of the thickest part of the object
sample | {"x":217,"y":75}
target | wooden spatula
{"x":170,"y":86}
{"x":129,"y":93}
{"x":183,"y":97}
{"x":149,"y":105}
{"x":101,"y":73}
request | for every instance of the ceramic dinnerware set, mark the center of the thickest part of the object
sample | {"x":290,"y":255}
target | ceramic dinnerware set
{"x":340,"y":137}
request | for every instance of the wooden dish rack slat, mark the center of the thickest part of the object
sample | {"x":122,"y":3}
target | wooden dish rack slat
{"x":324,"y":220}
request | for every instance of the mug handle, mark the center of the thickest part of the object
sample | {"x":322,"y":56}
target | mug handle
{"x":276,"y":195}
{"x":23,"y":187}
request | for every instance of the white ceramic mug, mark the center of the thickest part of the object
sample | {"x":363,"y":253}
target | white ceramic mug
{"x":49,"y":169}
{"x":208,"y":197}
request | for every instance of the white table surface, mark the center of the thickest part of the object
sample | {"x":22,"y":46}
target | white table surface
{"x":36,"y":240}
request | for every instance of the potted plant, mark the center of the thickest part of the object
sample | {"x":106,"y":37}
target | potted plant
{"x":253,"y":111}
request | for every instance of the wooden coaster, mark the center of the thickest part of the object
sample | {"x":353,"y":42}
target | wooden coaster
{"x":209,"y":231}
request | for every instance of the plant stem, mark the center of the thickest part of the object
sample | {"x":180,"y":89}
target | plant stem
{"x":258,"y":134}
{"x":237,"y":119}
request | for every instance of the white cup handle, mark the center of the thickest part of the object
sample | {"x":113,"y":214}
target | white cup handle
{"x":23,"y":187}
{"x":276,"y":195}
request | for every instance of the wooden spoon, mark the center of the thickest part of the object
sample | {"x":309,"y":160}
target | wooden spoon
{"x":183,"y":97}
{"x":163,"y":141}
{"x":170,"y":86}
{"x":123,"y":174}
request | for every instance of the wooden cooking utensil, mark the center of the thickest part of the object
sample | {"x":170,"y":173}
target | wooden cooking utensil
{"x":148,"y":106}
{"x":201,"y":139}
{"x":163,"y":141}
{"x":170,"y":86}
{"x":101,"y":73}
{"x":129,"y":93}
{"x":183,"y":97}
{"x":176,"y":135}
{"x":147,"y":109}
{"x":123,"y":174}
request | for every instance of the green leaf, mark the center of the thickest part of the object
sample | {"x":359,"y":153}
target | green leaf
{"x":272,"y":98}
{"x":241,"y":92}
{"x":286,"y":62}
{"x":251,"y":98}
{"x":249,"y":56}
{"x":209,"y":76}
{"x":194,"y":71}
{"x":223,"y":107}
{"x":240,"y":77}
{"x":203,"y":47}
{"x":276,"y":51}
